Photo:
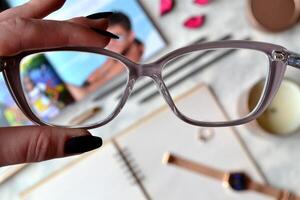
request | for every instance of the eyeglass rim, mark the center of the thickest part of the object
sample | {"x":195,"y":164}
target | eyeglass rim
{"x":153,"y":70}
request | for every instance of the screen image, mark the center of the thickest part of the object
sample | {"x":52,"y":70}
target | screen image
{"x":45,"y":91}
{"x":10,"y":114}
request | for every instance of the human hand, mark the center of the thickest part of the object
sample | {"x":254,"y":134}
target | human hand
{"x":22,"y":28}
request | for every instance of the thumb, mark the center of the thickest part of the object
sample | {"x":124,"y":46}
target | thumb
{"x":38,"y":143}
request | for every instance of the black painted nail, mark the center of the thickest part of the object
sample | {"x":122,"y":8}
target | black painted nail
{"x":100,"y":15}
{"x":105,"y":33}
{"x":82,"y":144}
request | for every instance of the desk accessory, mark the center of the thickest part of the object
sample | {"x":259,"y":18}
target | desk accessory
{"x":274,"y":15}
{"x":86,"y":115}
{"x":236,"y":181}
{"x":282,"y":117}
{"x":204,"y":135}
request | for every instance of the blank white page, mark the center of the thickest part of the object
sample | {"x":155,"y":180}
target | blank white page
{"x":98,"y":175}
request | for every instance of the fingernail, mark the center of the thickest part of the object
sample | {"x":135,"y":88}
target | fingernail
{"x":105,"y":33}
{"x":100,"y":15}
{"x":82,"y":144}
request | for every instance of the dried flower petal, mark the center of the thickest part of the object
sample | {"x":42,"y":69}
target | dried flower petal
{"x":202,"y":2}
{"x":166,"y":6}
{"x":195,"y":22}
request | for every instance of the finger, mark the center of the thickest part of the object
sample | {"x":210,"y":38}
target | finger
{"x":36,"y":143}
{"x":21,"y":34}
{"x":33,"y":9}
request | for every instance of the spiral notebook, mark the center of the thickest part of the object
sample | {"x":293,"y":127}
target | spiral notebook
{"x":130,"y":167}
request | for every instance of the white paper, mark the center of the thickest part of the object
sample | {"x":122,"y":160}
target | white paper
{"x":99,"y":176}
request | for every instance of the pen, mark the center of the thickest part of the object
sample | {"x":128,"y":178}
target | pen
{"x":86,"y":116}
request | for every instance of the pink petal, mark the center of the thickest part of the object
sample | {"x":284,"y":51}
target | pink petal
{"x":195,"y":22}
{"x":166,"y":6}
{"x":202,"y":2}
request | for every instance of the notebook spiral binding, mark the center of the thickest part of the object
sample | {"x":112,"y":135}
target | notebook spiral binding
{"x":129,"y":164}
{"x":131,"y":168}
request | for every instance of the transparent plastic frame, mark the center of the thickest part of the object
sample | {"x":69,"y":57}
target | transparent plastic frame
{"x":279,"y":57}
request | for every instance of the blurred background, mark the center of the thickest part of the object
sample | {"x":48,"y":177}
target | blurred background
{"x":206,"y":85}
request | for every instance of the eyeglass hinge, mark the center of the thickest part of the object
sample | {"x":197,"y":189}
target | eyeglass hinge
{"x":293,"y":60}
{"x":279,"y":56}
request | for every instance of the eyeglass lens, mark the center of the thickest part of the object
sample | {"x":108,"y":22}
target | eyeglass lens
{"x":59,"y":100}
{"x":238,"y":72}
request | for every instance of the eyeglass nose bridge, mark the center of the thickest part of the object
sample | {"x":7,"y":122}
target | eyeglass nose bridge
{"x":149,"y":70}
{"x":153,"y":71}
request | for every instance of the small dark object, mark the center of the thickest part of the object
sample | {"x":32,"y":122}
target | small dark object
{"x":238,"y":182}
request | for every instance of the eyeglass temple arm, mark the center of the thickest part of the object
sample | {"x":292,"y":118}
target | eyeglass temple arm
{"x":293,"y":59}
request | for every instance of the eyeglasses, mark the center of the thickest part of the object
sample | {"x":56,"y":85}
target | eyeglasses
{"x":48,"y":99}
